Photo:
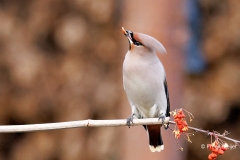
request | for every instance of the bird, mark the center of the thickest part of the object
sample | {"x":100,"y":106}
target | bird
{"x":145,"y":84}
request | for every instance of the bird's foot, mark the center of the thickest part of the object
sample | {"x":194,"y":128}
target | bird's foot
{"x":163,"y":117}
{"x":130,"y":120}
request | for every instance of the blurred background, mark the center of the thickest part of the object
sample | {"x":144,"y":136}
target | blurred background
{"x":62,"y":61}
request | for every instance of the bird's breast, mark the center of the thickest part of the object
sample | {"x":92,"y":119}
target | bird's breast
{"x":143,"y":82}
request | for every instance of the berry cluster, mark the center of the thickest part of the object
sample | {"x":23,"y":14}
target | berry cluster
{"x":181,"y":123}
{"x":216,"y":149}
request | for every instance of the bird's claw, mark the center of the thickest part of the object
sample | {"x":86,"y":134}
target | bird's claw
{"x":166,"y":126}
{"x":163,"y":117}
{"x":129,"y":120}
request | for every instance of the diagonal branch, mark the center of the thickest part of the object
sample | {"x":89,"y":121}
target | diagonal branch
{"x":237,"y":142}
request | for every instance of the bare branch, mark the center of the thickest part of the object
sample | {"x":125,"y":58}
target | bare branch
{"x":77,"y":124}
{"x":96,"y":123}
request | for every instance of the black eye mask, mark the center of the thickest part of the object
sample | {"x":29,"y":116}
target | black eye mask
{"x":137,"y":43}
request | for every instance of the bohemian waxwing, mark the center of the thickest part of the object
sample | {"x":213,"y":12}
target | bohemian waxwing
{"x":145,"y":84}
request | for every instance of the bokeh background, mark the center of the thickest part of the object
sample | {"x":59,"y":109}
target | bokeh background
{"x":62,"y":61}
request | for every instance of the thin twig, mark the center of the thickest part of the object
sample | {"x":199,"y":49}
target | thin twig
{"x":211,"y":133}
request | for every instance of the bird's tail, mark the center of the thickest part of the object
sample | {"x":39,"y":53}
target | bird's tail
{"x":155,"y":138}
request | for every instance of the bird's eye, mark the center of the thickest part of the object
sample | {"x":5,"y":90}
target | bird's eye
{"x":137,"y":43}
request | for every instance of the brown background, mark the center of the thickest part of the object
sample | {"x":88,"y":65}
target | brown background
{"x":62,"y":61}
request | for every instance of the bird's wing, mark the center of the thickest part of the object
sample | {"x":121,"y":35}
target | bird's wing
{"x":167,"y":96}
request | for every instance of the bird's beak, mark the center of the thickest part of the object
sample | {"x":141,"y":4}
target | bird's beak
{"x":127,"y":34}
{"x":124,"y":31}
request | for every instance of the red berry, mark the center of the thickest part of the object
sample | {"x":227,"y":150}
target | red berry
{"x":220,"y":152}
{"x":185,"y":123}
{"x":209,"y":157}
{"x":209,"y":146}
{"x":181,"y":115}
{"x":214,"y":149}
{"x":180,"y":126}
{"x":213,"y":155}
{"x":178,"y":121}
{"x":223,"y":148}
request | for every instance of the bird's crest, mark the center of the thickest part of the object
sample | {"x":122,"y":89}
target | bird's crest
{"x":149,"y":42}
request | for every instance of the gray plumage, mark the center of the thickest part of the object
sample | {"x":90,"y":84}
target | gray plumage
{"x":144,"y":81}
